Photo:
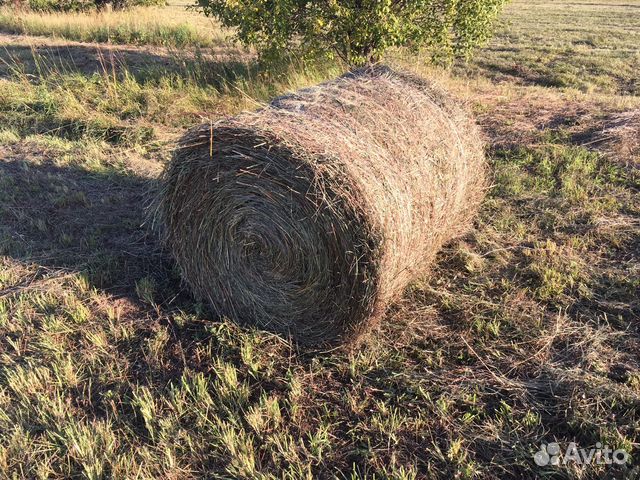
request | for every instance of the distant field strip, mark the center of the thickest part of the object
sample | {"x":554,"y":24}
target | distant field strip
{"x":173,"y":26}
{"x":592,"y":46}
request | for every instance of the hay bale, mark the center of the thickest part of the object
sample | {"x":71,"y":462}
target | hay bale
{"x":309,"y":216}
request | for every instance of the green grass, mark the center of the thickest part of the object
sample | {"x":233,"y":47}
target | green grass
{"x":124,"y":106}
{"x":164,"y":26}
{"x":589,"y":45}
{"x":525,"y":331}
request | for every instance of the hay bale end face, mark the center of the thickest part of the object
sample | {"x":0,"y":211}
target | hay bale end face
{"x":309,"y":216}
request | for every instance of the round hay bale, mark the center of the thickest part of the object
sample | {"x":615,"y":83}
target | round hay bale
{"x":310,"y":215}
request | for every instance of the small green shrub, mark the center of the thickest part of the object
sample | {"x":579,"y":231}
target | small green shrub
{"x":357,"y":31}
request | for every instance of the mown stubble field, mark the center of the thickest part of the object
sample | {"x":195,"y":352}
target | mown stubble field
{"x":527,"y":331}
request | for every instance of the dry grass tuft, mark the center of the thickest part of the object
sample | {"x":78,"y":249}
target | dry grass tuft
{"x":621,"y":138}
{"x":309,"y":216}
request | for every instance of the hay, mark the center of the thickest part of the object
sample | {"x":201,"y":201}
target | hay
{"x":309,"y":216}
{"x":620,"y":138}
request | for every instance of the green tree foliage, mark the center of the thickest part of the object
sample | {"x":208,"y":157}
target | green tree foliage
{"x":357,"y":31}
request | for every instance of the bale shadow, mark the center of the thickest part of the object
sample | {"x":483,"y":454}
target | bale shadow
{"x":72,"y":218}
{"x":98,"y":222}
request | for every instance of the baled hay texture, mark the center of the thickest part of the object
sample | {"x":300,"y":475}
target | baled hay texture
{"x":309,"y":216}
{"x":621,"y":138}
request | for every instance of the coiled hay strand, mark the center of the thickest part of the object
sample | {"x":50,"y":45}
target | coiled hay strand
{"x":309,"y":216}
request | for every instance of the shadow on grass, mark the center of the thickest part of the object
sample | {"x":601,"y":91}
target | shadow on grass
{"x":202,"y":67}
{"x":71,"y":218}
{"x":520,"y":73}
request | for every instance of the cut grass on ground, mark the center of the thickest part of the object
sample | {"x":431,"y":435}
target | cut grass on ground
{"x":527,"y":331}
{"x":589,"y":45}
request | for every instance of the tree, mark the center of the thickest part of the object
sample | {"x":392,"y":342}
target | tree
{"x":357,"y":31}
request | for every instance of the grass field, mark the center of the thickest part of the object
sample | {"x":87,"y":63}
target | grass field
{"x":527,"y":331}
{"x":589,"y":45}
{"x":172,"y":26}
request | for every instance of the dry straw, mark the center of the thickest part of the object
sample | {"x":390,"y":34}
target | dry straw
{"x":620,"y":139}
{"x":309,"y":216}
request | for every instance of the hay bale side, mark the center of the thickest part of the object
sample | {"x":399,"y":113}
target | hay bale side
{"x":309,"y":216}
